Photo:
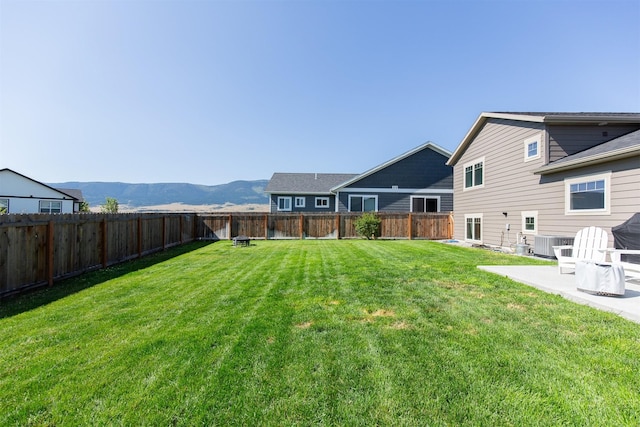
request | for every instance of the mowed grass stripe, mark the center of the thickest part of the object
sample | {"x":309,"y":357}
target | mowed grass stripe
{"x":315,"y":333}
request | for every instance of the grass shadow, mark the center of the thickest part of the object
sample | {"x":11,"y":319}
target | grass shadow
{"x":37,"y":297}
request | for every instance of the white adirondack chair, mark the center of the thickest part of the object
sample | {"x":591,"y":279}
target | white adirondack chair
{"x":588,"y":245}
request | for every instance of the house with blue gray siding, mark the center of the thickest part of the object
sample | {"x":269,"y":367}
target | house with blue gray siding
{"x":417,"y":181}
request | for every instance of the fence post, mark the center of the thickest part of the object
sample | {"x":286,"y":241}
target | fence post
{"x":450,"y":225}
{"x":50,"y":253}
{"x":164,"y":231}
{"x":139,"y":236}
{"x":338,"y":225}
{"x":266,"y":226}
{"x":194,"y":231}
{"x":230,"y":227}
{"x":180,"y":238}
{"x":103,"y":229}
{"x":301,"y":226}
{"x":410,"y":226}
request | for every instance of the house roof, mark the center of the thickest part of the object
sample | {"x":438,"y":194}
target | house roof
{"x":76,"y":194}
{"x":618,"y":148}
{"x":426,"y":145}
{"x":541,"y":117}
{"x":72,"y":194}
{"x":305,"y":183}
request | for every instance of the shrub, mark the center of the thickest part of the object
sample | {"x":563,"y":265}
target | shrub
{"x":110,"y":206}
{"x":368,"y":225}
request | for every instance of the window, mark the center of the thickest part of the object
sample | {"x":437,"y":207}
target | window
{"x":473,"y":227}
{"x":474,"y":174}
{"x":532,"y":148}
{"x":363,"y":203}
{"x":425,"y":204}
{"x":284,"y":203}
{"x":300,"y":202}
{"x":588,"y":195}
{"x":4,"y":206}
{"x":322,"y":202}
{"x":530,"y":222}
{"x":48,"y":206}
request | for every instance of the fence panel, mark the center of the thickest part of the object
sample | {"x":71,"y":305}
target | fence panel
{"x":320,"y":226}
{"x":23,"y":257}
{"x":431,"y":226}
{"x":122,"y":238}
{"x":250,"y":225}
{"x":188,"y":230}
{"x":347,"y":226}
{"x":213,"y":227}
{"x":394,"y":226}
{"x":173,"y":233}
{"x":284,"y":226}
{"x":77,"y":241}
{"x":153,"y":233}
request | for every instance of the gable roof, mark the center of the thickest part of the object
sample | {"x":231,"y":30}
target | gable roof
{"x":541,"y":117}
{"x":618,"y":148}
{"x":305,"y":183}
{"x":426,"y":145}
{"x":67,"y":193}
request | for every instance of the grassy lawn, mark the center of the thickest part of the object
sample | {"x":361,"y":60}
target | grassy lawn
{"x":313,"y":333}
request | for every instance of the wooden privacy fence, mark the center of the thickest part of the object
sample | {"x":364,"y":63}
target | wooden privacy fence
{"x":322,"y":226}
{"x":37,"y":249}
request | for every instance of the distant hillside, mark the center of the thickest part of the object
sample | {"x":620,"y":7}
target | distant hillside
{"x":236,"y":192}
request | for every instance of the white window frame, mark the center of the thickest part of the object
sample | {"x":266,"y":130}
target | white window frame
{"x":473,"y":165}
{"x":368,"y":196}
{"x":606,"y":210}
{"x":300,"y":202}
{"x":527,"y":142}
{"x":424,"y":197}
{"x":284,"y":200}
{"x":322,"y":202}
{"x":46,"y":206}
{"x":4,"y":203}
{"x":473,"y":217}
{"x":530,"y":214}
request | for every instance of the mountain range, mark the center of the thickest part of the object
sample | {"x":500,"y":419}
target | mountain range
{"x":134,"y":195}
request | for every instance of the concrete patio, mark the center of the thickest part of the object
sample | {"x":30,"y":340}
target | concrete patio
{"x":548,"y":279}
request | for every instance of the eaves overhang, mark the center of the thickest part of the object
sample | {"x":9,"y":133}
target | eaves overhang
{"x":561,"y":166}
{"x":551,"y":118}
{"x":480,"y":121}
{"x":71,"y":197}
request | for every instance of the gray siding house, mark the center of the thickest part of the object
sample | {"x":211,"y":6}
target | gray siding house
{"x":416,"y":181}
{"x":520,"y":175}
{"x":304,"y":192}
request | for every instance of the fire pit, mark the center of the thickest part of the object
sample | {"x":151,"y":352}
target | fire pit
{"x":241,"y":241}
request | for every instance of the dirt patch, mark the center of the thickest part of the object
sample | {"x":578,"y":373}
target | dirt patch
{"x":371,"y":316}
{"x":305,"y":325}
{"x":516,"y":307}
{"x":402,"y":325}
{"x":381,"y":313}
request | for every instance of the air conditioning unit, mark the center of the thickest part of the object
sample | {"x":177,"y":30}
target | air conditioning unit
{"x":543,"y":245}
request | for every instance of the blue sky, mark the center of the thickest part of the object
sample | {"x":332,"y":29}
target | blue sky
{"x":209,"y":92}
